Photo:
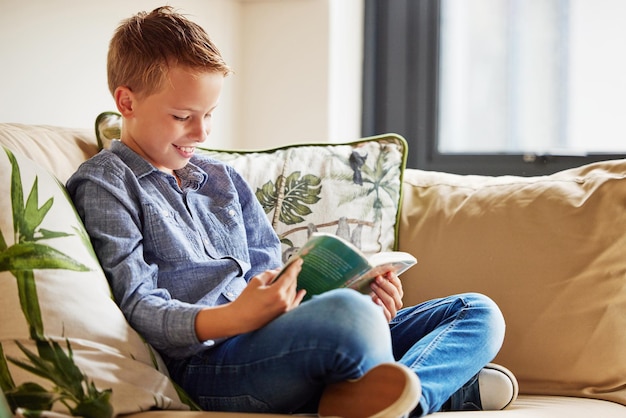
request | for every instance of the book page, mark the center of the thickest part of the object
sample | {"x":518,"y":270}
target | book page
{"x":396,"y":262}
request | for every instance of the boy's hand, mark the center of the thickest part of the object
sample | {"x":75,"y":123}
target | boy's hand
{"x":387,"y":292}
{"x":264,"y":298}
{"x":259,"y":303}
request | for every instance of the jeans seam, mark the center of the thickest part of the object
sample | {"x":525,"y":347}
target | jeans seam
{"x":461,"y":314}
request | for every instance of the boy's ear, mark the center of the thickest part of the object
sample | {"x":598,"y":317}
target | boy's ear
{"x":124,"y":100}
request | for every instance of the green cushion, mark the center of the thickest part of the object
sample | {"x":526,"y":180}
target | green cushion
{"x":57,"y":308}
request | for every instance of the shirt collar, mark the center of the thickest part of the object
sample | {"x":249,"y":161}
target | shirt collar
{"x":191,"y":175}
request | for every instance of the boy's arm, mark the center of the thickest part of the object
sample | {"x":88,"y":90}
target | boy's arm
{"x":111,"y":217}
{"x":103,"y":195}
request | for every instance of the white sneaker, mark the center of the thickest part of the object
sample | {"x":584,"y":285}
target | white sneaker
{"x":492,"y":389}
{"x":389,"y":390}
{"x":498,"y":387}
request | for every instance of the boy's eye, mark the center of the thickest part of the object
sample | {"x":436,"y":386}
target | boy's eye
{"x":180,"y":118}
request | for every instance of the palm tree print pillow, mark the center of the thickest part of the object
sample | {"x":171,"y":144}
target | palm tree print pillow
{"x":64,"y":344}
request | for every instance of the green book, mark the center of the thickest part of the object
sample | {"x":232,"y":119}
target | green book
{"x":330,"y":262}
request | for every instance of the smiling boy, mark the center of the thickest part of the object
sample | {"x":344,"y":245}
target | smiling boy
{"x":166,"y":126}
{"x":191,"y":257}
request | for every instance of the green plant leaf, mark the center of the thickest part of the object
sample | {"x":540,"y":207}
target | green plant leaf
{"x":267,"y":195}
{"x":37,"y":365}
{"x":30,"y":396}
{"x":47,"y":234}
{"x":3,"y":243}
{"x":6,"y":380}
{"x":34,"y":256}
{"x":17,"y":193}
{"x":300,"y":192}
{"x":33,"y":215}
{"x":72,"y":386}
{"x":29,"y":302}
{"x":96,"y":406}
{"x":62,"y":370}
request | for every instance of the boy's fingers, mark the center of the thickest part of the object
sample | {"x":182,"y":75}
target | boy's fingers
{"x":294,"y":268}
{"x":267,"y":276}
{"x":299,"y":296}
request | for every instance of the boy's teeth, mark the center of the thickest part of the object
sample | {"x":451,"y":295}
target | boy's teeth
{"x":186,"y":149}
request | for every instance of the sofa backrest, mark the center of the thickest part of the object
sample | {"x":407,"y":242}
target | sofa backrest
{"x":59,"y":150}
{"x":550,"y":250}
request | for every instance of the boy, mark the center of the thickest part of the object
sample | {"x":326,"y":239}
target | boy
{"x":196,"y":280}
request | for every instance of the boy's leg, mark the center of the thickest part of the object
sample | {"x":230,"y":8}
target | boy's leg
{"x":285,"y":365}
{"x":447,"y":342}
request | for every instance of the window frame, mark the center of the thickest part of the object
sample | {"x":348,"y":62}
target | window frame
{"x":400,"y":94}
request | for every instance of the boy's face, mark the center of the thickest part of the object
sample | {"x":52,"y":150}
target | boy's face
{"x":165,"y":127}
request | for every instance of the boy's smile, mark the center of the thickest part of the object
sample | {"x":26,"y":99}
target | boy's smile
{"x":165,"y":127}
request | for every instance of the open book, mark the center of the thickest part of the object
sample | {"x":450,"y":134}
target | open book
{"x":331,"y":262}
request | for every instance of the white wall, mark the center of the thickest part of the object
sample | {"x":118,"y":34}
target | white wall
{"x":297,"y":65}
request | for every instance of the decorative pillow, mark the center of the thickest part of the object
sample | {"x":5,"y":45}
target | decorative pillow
{"x":64,"y":344}
{"x":550,"y":250}
{"x":350,"y":189}
{"x":108,"y":128}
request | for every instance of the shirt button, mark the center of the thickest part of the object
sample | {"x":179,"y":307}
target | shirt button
{"x":231,"y":212}
{"x":230,"y":294}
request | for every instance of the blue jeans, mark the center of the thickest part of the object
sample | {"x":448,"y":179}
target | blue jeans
{"x":284,"y":366}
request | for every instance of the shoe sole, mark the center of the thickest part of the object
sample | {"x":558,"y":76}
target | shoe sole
{"x":389,"y":390}
{"x":510,"y":376}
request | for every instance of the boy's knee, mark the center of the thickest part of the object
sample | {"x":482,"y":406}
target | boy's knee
{"x":490,"y":317}
{"x":351,"y":315}
{"x":346,"y":305}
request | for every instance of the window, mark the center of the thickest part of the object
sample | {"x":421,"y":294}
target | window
{"x":497,"y":87}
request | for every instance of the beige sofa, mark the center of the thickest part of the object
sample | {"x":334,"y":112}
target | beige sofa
{"x":551,"y":251}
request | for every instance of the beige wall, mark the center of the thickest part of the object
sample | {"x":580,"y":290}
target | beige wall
{"x":297,"y":65}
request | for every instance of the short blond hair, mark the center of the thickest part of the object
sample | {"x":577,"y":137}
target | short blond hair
{"x":146,"y":45}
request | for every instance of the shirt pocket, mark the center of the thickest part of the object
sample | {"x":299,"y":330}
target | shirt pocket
{"x":167,"y":237}
{"x":226,"y":234}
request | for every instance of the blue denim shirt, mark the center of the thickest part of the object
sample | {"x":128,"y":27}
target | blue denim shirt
{"x":166,"y":250}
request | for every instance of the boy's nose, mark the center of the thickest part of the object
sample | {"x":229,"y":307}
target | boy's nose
{"x":201,"y":130}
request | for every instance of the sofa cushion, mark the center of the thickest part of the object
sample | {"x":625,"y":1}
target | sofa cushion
{"x":350,"y":189}
{"x":550,"y":250}
{"x":524,"y":407}
{"x":61,"y":333}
